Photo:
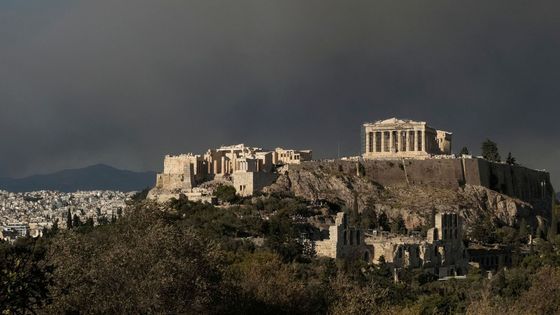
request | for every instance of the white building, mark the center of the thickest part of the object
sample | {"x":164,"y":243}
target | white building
{"x":402,"y":138}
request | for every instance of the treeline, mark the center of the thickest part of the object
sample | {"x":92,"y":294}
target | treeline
{"x":249,"y":258}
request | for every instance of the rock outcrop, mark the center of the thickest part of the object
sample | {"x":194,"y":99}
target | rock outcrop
{"x":415,"y":203}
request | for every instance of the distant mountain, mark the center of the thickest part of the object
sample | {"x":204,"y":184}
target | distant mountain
{"x":95,"y":177}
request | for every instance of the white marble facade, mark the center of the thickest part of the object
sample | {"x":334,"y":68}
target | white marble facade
{"x":402,"y":138}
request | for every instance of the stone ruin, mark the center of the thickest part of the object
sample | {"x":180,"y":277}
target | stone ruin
{"x":441,"y":253}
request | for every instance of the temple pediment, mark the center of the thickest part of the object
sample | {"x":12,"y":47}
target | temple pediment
{"x":396,"y":121}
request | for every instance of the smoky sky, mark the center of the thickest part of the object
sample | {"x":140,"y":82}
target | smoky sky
{"x":126,"y":82}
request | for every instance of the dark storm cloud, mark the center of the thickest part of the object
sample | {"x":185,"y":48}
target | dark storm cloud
{"x":125,"y":82}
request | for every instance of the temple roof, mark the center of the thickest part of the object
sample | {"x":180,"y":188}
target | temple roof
{"x":394,"y":120}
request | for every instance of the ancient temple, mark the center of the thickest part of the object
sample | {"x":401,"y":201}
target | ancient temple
{"x":402,"y":138}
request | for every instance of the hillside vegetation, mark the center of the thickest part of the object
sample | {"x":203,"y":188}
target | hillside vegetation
{"x":246,"y":258}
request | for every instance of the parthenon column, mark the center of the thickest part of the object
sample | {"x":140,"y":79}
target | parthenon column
{"x":374,"y":138}
{"x":424,"y":140}
{"x":391,"y":141}
{"x":382,"y":141}
{"x":407,"y":137}
{"x":399,"y":147}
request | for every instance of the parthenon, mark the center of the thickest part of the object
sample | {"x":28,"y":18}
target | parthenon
{"x":398,"y":138}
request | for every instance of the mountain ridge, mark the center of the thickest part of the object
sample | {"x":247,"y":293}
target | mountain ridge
{"x":93,"y":177}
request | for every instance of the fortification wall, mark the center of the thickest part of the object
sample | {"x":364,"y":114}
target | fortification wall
{"x":529,"y":185}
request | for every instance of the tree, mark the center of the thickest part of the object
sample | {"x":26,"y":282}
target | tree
{"x":52,"y":231}
{"x":464,"y":151}
{"x":273,"y":287}
{"x":354,"y":216}
{"x":483,"y":230}
{"x":383,"y":222}
{"x":89,"y":222}
{"x":179,"y":273}
{"x":76,"y":222}
{"x":543,"y":297}
{"x":24,"y":277}
{"x":398,"y":226}
{"x":69,"y":220}
{"x":540,"y":233}
{"x":490,"y":151}
{"x":102,"y":220}
{"x":356,"y":209}
{"x":282,"y":237}
{"x":141,"y":195}
{"x":225,"y":193}
{"x":523,"y":231}
{"x":553,"y":230}
{"x":369,"y":219}
{"x":510,"y":159}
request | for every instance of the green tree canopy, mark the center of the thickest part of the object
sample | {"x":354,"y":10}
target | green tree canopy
{"x":510,"y":159}
{"x":398,"y":226}
{"x":225,"y":193}
{"x":490,"y":151}
{"x":24,"y":277}
{"x":69,"y":220}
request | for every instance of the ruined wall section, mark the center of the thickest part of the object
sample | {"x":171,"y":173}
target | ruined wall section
{"x":246,"y":183}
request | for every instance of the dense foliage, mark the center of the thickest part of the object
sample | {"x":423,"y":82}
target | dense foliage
{"x":490,"y":151}
{"x":247,"y":258}
{"x":24,"y":277}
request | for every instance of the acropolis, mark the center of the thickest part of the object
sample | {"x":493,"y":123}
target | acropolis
{"x":426,"y":150}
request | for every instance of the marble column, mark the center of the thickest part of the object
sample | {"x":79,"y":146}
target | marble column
{"x":382,"y":141}
{"x":424,"y":140}
{"x":399,"y":141}
{"x":407,"y":137}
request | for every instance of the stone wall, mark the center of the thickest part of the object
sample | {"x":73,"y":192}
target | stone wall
{"x":443,"y":257}
{"x":247,"y":183}
{"x":516,"y":181}
{"x":344,"y":241}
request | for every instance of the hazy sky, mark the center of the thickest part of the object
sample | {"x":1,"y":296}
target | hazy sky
{"x":126,"y":82}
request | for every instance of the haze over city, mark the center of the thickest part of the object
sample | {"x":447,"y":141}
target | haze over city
{"x":125,"y":82}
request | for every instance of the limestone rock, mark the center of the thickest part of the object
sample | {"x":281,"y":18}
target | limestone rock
{"x":415,"y":203}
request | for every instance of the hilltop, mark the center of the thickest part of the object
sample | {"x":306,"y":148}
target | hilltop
{"x":415,"y":190}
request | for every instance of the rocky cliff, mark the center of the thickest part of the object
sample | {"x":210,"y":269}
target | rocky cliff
{"x":343,"y":182}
